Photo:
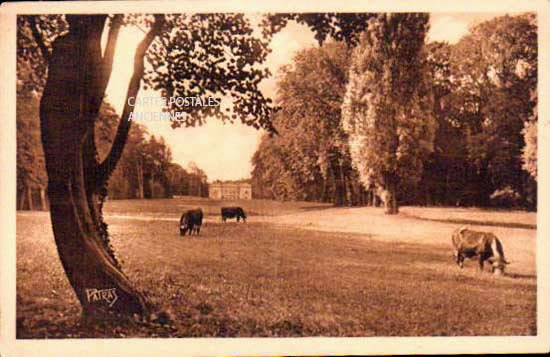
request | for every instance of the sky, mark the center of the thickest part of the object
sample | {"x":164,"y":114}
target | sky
{"x":223,"y":151}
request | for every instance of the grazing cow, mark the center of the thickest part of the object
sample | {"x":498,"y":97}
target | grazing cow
{"x":190,"y":221}
{"x":232,"y":212}
{"x":484,"y":245}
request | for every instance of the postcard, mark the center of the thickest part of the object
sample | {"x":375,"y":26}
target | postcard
{"x":236,"y":178}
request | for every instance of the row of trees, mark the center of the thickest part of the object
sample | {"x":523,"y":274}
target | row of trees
{"x":310,"y":158}
{"x":402,"y":120}
{"x":145,"y":169}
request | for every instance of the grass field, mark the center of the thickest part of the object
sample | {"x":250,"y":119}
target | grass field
{"x":294,"y":269}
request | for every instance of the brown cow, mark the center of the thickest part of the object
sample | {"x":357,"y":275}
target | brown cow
{"x":232,"y":212}
{"x":191,"y":221}
{"x":486,"y":246}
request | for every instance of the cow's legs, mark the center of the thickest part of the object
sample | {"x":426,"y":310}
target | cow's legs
{"x":481,"y":260}
{"x":459,"y":260}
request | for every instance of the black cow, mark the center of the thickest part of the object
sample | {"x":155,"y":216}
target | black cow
{"x":483,"y":245}
{"x":232,"y":212}
{"x":190,"y":221}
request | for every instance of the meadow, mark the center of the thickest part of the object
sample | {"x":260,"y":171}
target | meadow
{"x":294,"y":269}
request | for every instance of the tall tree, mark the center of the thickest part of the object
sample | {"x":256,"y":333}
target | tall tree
{"x":273,"y":173}
{"x":445,"y":168}
{"x":178,"y":179}
{"x":128,"y":178}
{"x":31,"y":170}
{"x":387,"y":109}
{"x":495,"y":71}
{"x":198,"y":181}
{"x":312,"y":141}
{"x":310,"y":95}
{"x":155,"y":158}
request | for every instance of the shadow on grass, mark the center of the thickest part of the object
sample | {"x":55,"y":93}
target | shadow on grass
{"x":521,"y":276}
{"x":318,"y":208}
{"x":475,"y":223}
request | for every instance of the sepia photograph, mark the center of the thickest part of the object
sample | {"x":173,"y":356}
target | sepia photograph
{"x":233,"y":173}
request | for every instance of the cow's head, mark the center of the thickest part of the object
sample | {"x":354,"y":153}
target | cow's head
{"x":183,"y":228}
{"x":498,"y":266}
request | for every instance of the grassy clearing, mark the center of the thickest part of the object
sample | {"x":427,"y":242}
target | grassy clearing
{"x":261,"y":279}
{"x":427,"y":226}
{"x":175,"y":207}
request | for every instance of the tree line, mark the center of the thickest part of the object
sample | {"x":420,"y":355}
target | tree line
{"x":396,"y":119}
{"x":145,"y":169}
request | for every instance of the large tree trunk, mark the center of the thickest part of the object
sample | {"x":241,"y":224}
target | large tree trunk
{"x":390,"y":193}
{"x":77,"y":78}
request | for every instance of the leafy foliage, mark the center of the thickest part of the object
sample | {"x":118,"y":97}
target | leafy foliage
{"x":472,"y":134}
{"x":344,"y":27}
{"x":211,"y":56}
{"x":152,"y":154}
{"x":32,"y":67}
{"x":30,"y":157}
{"x":530,"y":149}
{"x":312,"y":146}
{"x":387,"y":110}
{"x":495,"y":69}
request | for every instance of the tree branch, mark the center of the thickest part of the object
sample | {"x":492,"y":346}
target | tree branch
{"x":108,"y":57}
{"x":38,"y":38}
{"x":108,"y":165}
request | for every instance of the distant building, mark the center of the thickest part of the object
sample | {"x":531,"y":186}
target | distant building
{"x":230,"y":191}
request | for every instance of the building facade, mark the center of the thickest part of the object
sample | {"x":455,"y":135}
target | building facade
{"x":230,"y":191}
